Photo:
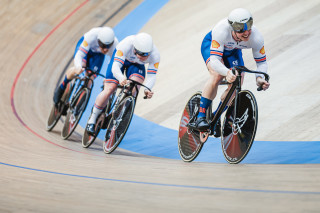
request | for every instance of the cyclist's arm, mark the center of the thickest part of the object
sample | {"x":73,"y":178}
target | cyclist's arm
{"x":80,"y":57}
{"x":117,"y":65}
{"x":151,"y":77}
{"x":259,"y":53}
{"x":217,"y":66}
{"x":151,"y":80}
{"x":216,"y":51}
{"x":152,"y":69}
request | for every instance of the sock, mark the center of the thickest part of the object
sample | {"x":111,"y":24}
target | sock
{"x":204,"y":104}
{"x":64,"y":83}
{"x":95,"y":113}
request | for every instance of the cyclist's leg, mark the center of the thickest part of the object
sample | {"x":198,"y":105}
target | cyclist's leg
{"x":209,"y":91}
{"x":100,"y":103}
{"x":110,"y":85}
{"x":70,"y":74}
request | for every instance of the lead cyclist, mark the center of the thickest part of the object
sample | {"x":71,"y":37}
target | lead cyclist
{"x":221,"y":50}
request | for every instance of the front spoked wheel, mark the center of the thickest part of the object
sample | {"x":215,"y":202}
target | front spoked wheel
{"x":119,"y":124}
{"x":56,"y":112}
{"x":189,"y":143}
{"x":238,"y":134}
{"x":77,"y":107}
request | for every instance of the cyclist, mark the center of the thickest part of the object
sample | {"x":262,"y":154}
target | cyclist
{"x":221,"y":50}
{"x":128,"y":62}
{"x":90,"y":52}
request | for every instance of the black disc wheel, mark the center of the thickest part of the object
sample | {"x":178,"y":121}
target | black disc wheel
{"x":189,"y":143}
{"x":75,"y":111}
{"x":238,"y":134}
{"x":119,"y":124}
{"x":57,"y":111}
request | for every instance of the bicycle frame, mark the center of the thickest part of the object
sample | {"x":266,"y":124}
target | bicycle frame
{"x":236,"y":87}
{"x":125,"y":91}
{"x":82,"y":82}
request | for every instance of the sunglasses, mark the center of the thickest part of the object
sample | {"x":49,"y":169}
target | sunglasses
{"x":141,"y":53}
{"x":104,"y":46}
{"x":242,"y":27}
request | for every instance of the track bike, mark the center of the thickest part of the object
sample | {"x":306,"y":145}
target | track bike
{"x":72,"y":104}
{"x":116,"y":117}
{"x":238,"y":128}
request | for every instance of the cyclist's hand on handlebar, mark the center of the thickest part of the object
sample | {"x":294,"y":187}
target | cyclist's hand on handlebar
{"x":230,"y":76}
{"x":148,"y":93}
{"x":124,"y":82}
{"x":264,"y":83}
{"x":77,"y":70}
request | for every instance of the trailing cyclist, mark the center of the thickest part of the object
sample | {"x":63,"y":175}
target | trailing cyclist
{"x":89,"y":53}
{"x":128,"y":62}
{"x":221,"y":50}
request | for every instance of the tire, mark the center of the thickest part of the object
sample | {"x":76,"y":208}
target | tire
{"x":236,"y":142}
{"x":119,"y":124}
{"x":56,"y":113}
{"x":189,"y":143}
{"x":88,"y":139}
{"x":75,"y":111}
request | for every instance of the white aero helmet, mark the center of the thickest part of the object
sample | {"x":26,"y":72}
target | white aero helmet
{"x":240,"y":20}
{"x":143,"y":44}
{"x":105,"y":37}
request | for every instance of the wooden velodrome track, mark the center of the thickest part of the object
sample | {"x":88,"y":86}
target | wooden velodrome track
{"x":40,"y":172}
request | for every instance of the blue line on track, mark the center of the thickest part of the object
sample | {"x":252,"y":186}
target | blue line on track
{"x":165,"y":185}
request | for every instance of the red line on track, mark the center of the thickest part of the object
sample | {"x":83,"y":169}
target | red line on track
{"x":22,"y":68}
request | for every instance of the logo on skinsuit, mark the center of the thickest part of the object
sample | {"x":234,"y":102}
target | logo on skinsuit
{"x":262,"y":51}
{"x":156,"y":65}
{"x":215,"y":44}
{"x":85,"y":44}
{"x":119,"y":53}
